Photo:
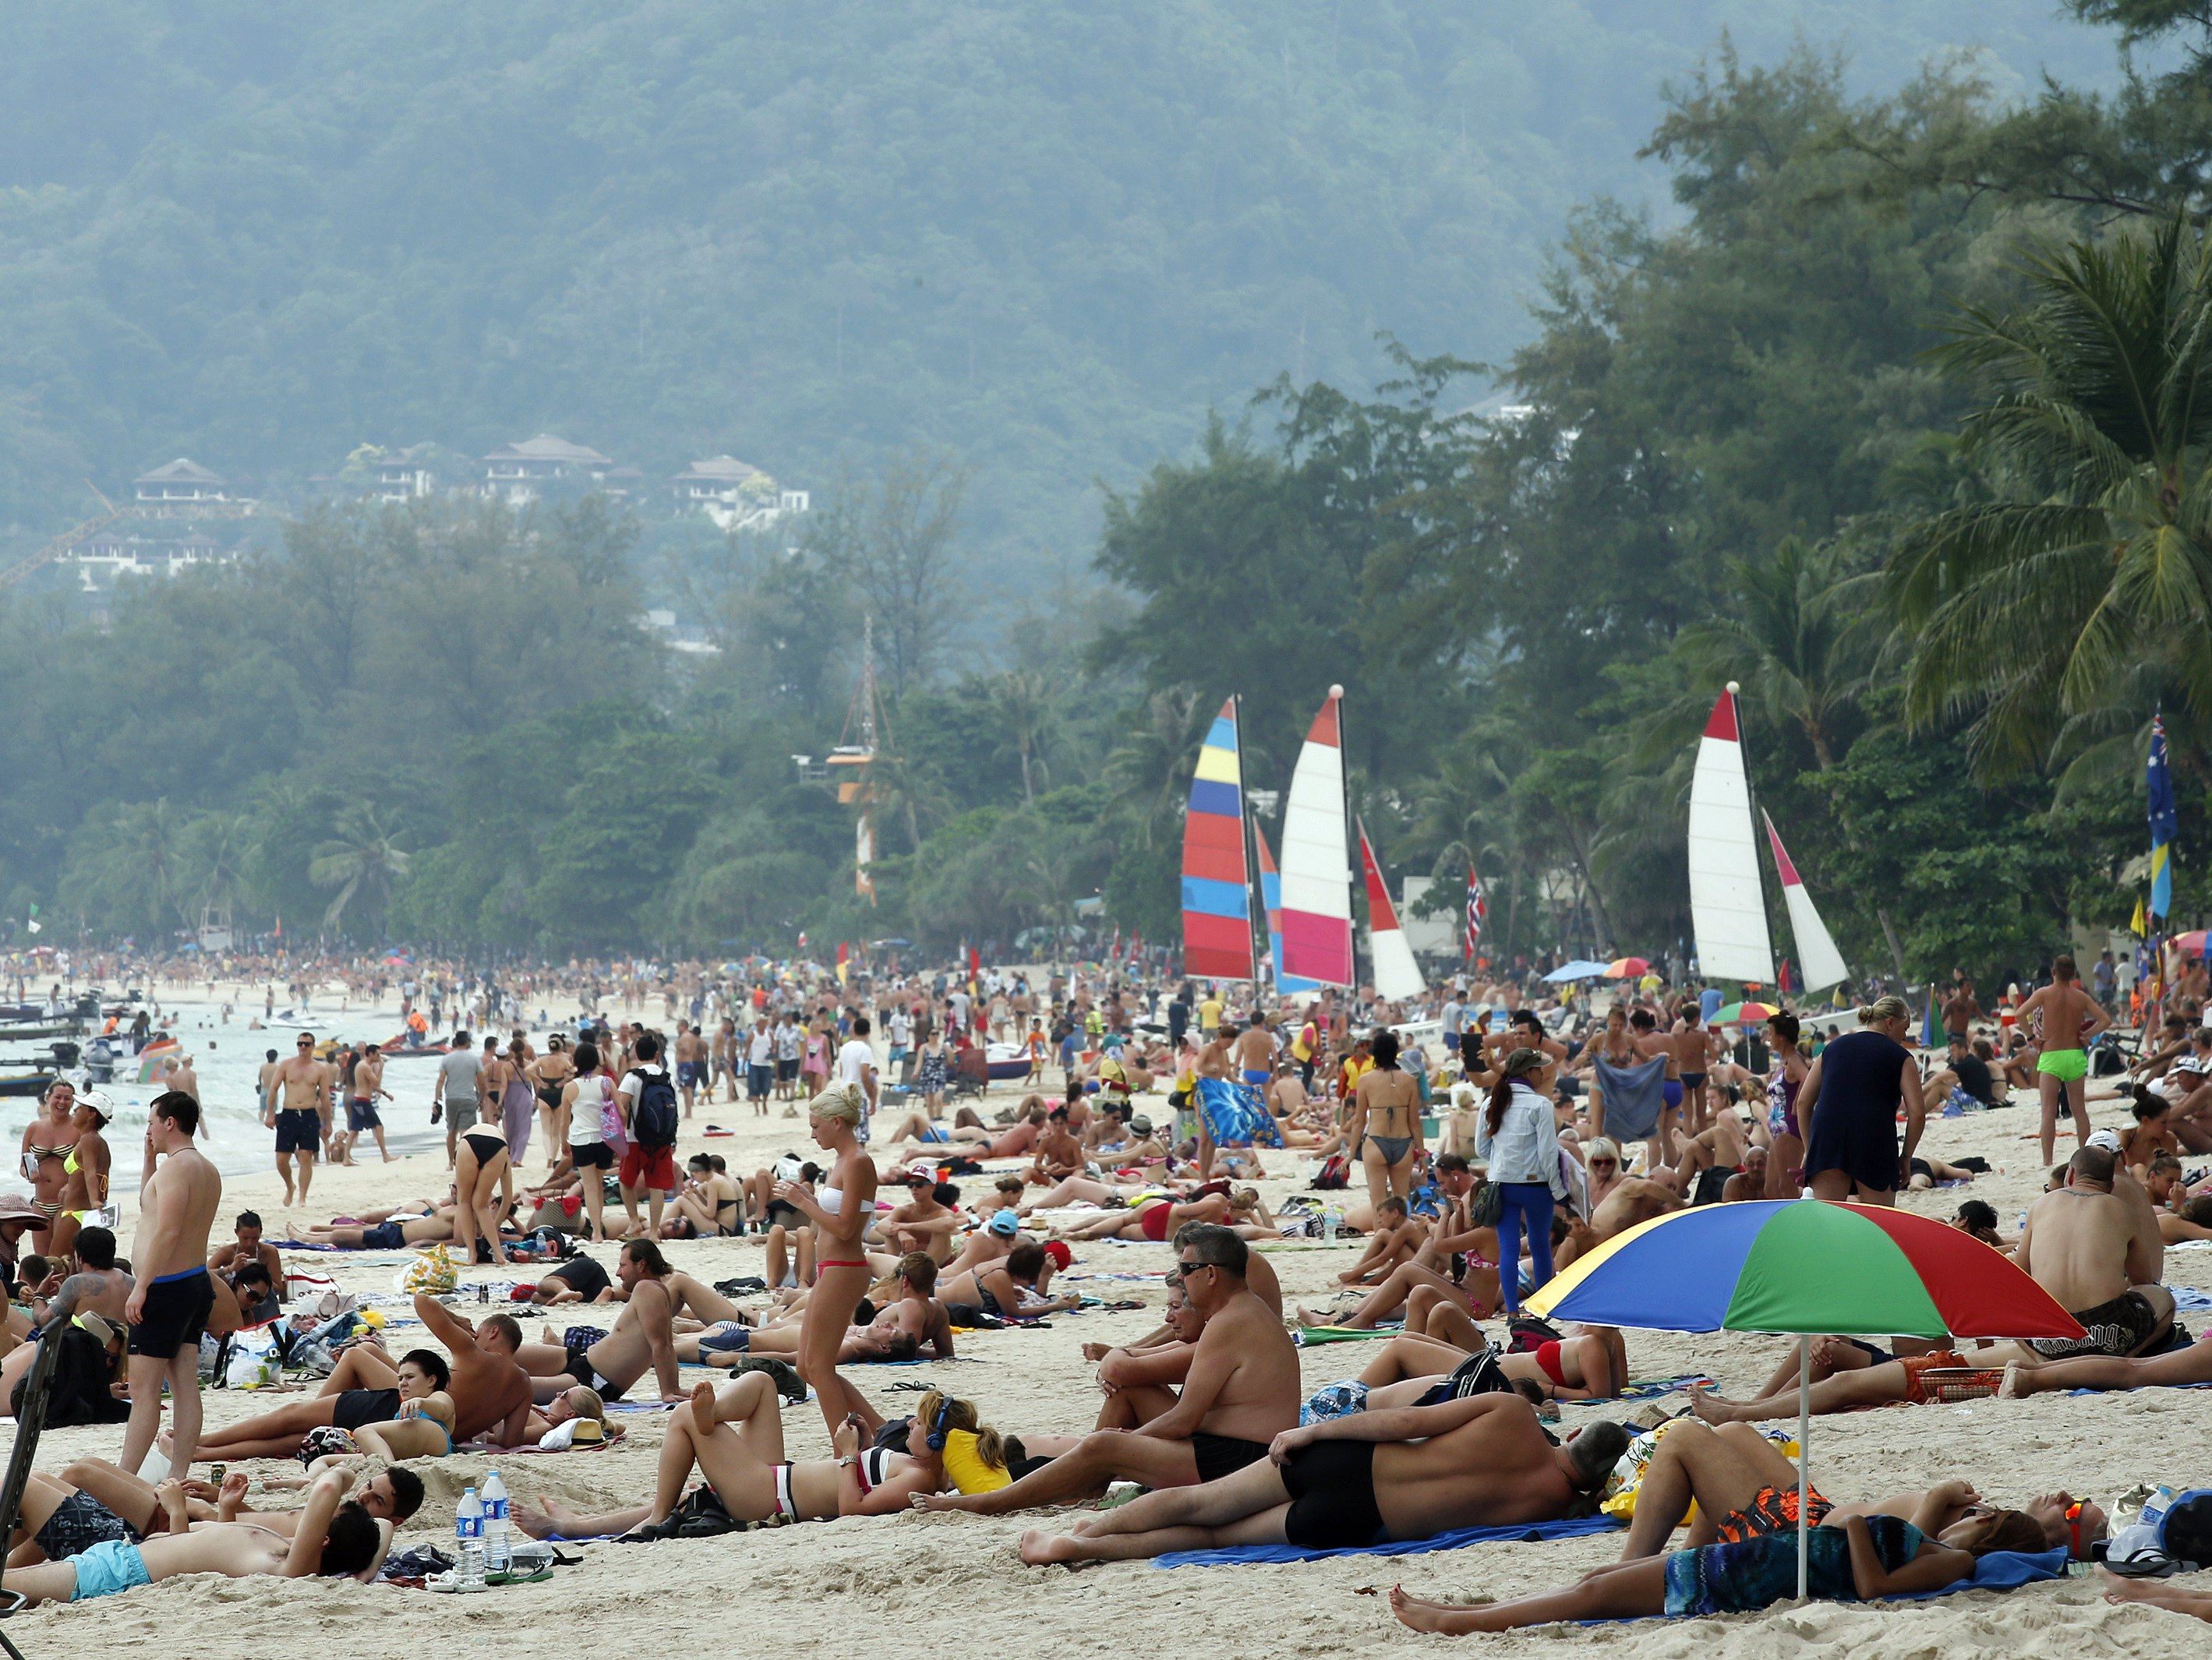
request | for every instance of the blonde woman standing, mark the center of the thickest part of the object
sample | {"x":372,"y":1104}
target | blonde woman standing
{"x":840,"y":1210}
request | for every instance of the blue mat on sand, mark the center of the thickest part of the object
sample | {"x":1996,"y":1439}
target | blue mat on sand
{"x":1526,"y":1533}
{"x":2001,"y":1570}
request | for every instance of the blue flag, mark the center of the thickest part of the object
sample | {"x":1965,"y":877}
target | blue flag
{"x":1927,"y":1028}
{"x":2165,"y":822}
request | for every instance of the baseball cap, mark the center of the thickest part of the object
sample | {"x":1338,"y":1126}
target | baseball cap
{"x":2108,"y":1140}
{"x":921,"y":1171}
{"x":99,"y":1103}
{"x":1006,"y":1223}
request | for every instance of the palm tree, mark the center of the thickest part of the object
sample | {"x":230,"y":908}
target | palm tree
{"x":362,"y":863}
{"x":1025,"y":711}
{"x":2093,"y":554}
{"x":148,"y":835}
{"x":913,"y":792}
{"x":1153,"y":764}
{"x":218,"y":847}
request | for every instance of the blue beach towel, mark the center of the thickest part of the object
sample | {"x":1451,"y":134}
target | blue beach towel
{"x":1634,"y":1097}
{"x":1526,"y":1533}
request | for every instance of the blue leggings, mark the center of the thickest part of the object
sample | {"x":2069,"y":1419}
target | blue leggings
{"x":1529,"y":1202}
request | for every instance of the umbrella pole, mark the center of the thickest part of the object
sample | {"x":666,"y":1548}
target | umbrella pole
{"x":1804,"y":1452}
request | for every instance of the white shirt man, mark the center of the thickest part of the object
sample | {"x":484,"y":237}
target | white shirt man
{"x":856,"y":1064}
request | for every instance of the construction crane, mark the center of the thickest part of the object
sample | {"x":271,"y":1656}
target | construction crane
{"x":71,"y":540}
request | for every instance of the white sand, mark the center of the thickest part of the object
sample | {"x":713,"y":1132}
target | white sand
{"x":951,"y":1584}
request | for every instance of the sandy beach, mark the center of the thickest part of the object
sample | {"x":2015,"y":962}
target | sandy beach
{"x":940,"y":1585}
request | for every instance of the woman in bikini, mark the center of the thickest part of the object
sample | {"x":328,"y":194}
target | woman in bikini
{"x":48,"y":1140}
{"x":483,"y":1167}
{"x":549,"y":1076}
{"x":1385,"y":1123}
{"x":839,"y":1212}
{"x":708,"y":1207}
{"x":1785,"y":1139}
{"x":735,"y":1436}
{"x":84,"y":1173}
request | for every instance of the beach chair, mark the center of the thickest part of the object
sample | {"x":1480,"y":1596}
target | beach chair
{"x":30,"y":1424}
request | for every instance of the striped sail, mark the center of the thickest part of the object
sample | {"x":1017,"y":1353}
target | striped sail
{"x":1728,"y":908}
{"x":1217,"y":887}
{"x":1397,"y":976}
{"x":1817,"y":955}
{"x":1316,"y":863}
{"x":1271,"y":897}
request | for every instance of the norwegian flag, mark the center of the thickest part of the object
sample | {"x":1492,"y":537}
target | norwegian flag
{"x":1478,"y":909}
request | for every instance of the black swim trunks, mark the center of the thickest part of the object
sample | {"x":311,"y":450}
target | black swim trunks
{"x":1332,"y":1488}
{"x":299,"y":1129}
{"x":175,"y":1315}
{"x":354,"y":1408}
{"x":1218,"y":1455}
{"x":2121,"y":1328}
{"x":581,"y":1368}
{"x":385,"y":1236}
{"x":79,"y":1522}
{"x":1479,"y":1374}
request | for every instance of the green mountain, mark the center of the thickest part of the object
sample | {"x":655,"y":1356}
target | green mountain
{"x":1041,"y":236}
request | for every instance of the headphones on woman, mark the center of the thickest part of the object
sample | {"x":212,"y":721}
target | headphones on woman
{"x":938,"y":1428}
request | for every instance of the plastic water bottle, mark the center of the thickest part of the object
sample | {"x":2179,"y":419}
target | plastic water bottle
{"x":469,"y":1542}
{"x":499,"y":1548}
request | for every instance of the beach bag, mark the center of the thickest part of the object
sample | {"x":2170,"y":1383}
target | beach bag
{"x":1335,"y":1175}
{"x":1487,"y":1205}
{"x":2185,"y":1530}
{"x":434,"y":1273}
{"x":653,"y":1120}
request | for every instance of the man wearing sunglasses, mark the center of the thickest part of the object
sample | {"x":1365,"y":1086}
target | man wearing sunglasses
{"x":1241,"y":1391}
{"x":305,"y":1083}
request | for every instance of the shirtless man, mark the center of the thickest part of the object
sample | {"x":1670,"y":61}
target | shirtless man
{"x":303,"y":1084}
{"x":1214,"y":1060}
{"x":1398,"y":1472}
{"x":2094,"y":1246}
{"x":1243,"y":1391}
{"x":174,"y":1295}
{"x":1630,"y":1201}
{"x":248,"y":1247}
{"x":643,"y":1338}
{"x":360,"y":1104}
{"x":1253,"y":1051}
{"x":182,"y":1077}
{"x":690,"y":1063}
{"x":1691,"y":1046}
{"x":923,"y":1224}
{"x":491,"y":1392}
{"x":2070,"y":1018}
{"x":331,"y":1537}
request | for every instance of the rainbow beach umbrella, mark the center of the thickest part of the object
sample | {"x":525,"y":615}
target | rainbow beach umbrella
{"x":1803,"y":1267}
{"x":1744,"y":1014}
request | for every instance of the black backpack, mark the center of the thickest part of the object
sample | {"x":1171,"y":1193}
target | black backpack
{"x":652,"y":1118}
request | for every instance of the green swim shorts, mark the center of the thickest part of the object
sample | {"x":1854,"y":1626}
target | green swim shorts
{"x":2067,"y":1066}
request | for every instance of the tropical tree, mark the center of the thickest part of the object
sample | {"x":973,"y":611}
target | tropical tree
{"x":1153,"y":764}
{"x":2091,"y":558}
{"x":362,"y":863}
{"x":1027,"y":715}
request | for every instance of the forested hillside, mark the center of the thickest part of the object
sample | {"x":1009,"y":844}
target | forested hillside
{"x":1041,"y":237}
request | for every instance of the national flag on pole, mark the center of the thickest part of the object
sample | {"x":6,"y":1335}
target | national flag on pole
{"x":1478,"y":911}
{"x":1928,"y":1027}
{"x":2139,"y":925}
{"x":32,"y":922}
{"x":2164,"y":822}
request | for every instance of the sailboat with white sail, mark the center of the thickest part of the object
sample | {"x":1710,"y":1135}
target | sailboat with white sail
{"x":1397,"y":976}
{"x":1316,"y":871}
{"x":1728,"y":900}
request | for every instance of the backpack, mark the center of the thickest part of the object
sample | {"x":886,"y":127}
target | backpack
{"x":653,"y":1117}
{"x":1334,"y":1174}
